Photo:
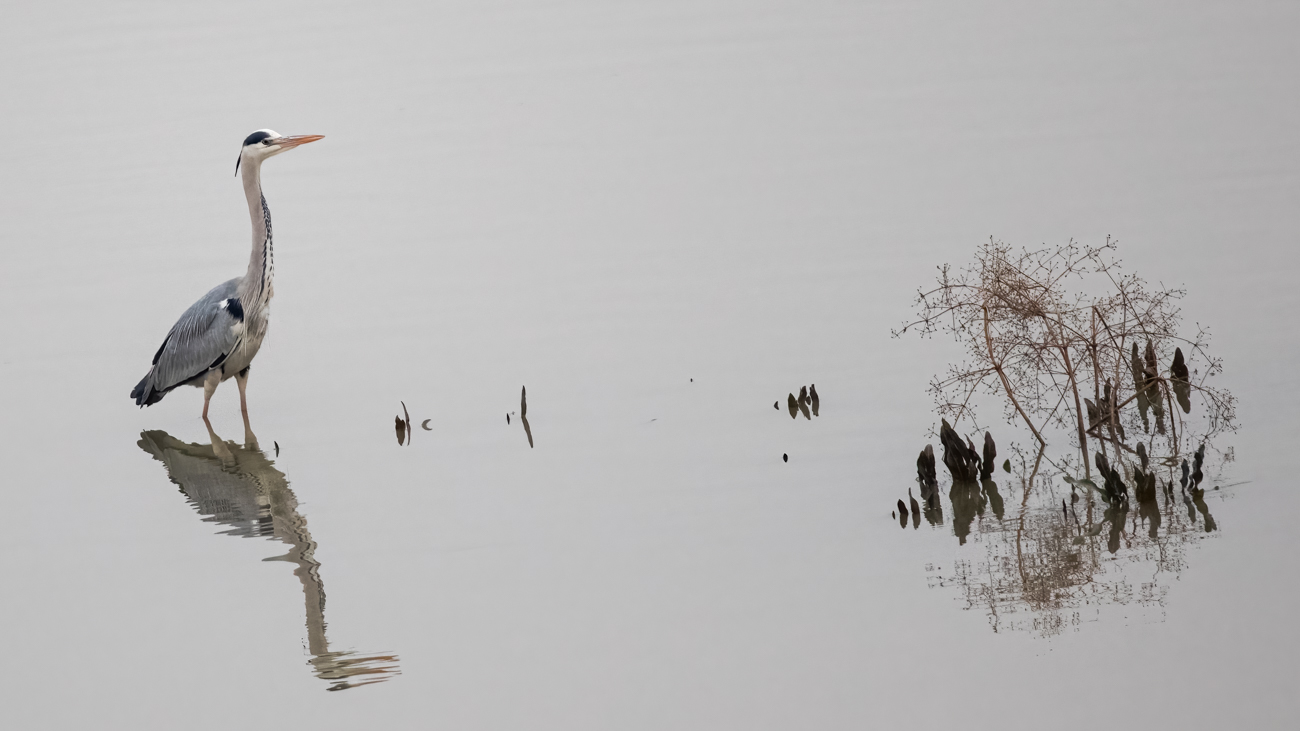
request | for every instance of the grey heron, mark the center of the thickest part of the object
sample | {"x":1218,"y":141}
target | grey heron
{"x":217,"y":337}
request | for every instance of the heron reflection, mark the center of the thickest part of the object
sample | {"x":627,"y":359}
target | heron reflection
{"x":239,"y":487}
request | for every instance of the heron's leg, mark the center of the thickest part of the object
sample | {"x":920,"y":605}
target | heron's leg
{"x":209,"y":387}
{"x":241,"y":380}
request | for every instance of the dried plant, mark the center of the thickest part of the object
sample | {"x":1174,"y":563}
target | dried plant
{"x":1044,"y":329}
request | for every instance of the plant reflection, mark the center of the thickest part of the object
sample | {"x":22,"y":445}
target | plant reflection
{"x":1067,"y":553}
{"x":238,"y":487}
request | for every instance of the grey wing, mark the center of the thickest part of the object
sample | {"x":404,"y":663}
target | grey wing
{"x":200,"y":340}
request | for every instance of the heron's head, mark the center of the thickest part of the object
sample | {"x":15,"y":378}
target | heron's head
{"x":266,"y":143}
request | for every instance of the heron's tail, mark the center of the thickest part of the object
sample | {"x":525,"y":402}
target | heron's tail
{"x":145,"y":394}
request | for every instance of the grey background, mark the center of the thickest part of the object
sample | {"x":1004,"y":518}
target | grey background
{"x":603,"y":201}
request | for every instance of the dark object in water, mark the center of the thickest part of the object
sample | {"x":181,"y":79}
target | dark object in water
{"x":816,"y":401}
{"x":1006,"y":466}
{"x":1150,"y":512}
{"x":925,"y":474}
{"x":425,"y":424}
{"x":1197,"y":460}
{"x":1102,"y":414}
{"x":1142,"y":455}
{"x":401,"y":430}
{"x":1115,"y":490}
{"x":1198,"y":499}
{"x":1151,"y":375}
{"x":994,"y":498}
{"x":1102,"y":463}
{"x":960,"y":458}
{"x":1144,"y":487}
{"x":785,"y":458}
{"x":916,"y":509}
{"x":803,"y":402}
{"x":1151,"y":370}
{"x":523,"y":414}
{"x":1140,"y":386}
{"x":409,"y":431}
{"x":793,"y":405}
{"x":1183,"y":481}
{"x":967,"y":503}
{"x":1112,"y":411}
{"x":776,"y":405}
{"x":934,"y":510}
{"x":507,"y":418}
{"x":925,"y":470}
{"x":902,"y":514}
{"x":1116,"y":516}
{"x":990,"y":454}
{"x":1179,"y":376}
{"x":1178,"y":370}
{"x":277,"y":448}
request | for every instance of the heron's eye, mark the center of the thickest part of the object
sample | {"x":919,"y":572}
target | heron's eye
{"x":266,"y":141}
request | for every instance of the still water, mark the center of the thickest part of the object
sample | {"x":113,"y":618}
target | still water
{"x":660,"y":220}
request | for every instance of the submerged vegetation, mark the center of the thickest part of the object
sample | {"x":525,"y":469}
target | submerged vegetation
{"x":1094,"y":362}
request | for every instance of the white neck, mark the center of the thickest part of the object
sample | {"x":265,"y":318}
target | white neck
{"x":256,"y":290}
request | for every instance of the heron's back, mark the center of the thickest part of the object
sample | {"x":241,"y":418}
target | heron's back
{"x":204,"y":337}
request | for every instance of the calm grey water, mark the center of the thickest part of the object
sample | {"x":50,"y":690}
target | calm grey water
{"x":660,"y":218}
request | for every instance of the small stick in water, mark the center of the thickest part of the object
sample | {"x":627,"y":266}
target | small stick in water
{"x":523,"y":414}
{"x":409,"y":431}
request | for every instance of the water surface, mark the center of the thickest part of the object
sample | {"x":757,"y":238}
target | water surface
{"x":660,"y":220}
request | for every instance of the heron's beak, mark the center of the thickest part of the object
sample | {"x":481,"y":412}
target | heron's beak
{"x":292,"y":141}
